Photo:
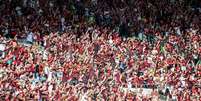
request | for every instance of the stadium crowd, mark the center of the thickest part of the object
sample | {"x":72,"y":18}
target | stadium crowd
{"x":69,"y":50}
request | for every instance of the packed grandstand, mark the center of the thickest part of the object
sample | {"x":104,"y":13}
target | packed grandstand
{"x":100,"y":50}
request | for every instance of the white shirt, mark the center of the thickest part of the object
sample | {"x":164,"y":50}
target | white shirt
{"x":30,"y":37}
{"x":46,"y":70}
{"x":45,"y":55}
{"x":18,"y":10}
{"x":50,"y":89}
{"x":129,"y":85}
{"x":2,"y":47}
{"x":49,"y":76}
{"x":83,"y":97}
